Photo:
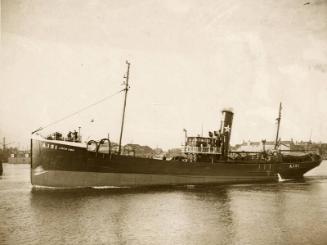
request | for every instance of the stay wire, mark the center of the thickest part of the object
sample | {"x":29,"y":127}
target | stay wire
{"x":77,"y":112}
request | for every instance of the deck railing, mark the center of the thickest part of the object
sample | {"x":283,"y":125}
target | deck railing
{"x":201,"y":150}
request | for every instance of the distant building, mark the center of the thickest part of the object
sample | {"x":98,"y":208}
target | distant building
{"x":174,"y":152}
{"x":320,"y":148}
{"x":139,"y":150}
{"x":255,"y":146}
{"x":19,"y":157}
{"x":5,"y":153}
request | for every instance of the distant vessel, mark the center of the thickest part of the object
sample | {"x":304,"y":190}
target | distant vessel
{"x":207,"y":160}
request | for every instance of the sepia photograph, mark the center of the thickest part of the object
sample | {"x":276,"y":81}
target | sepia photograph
{"x":163,"y":122}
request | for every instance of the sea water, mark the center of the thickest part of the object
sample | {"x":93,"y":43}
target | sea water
{"x":289,"y":212}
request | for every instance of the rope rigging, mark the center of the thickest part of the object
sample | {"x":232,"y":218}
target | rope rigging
{"x":78,"y":111}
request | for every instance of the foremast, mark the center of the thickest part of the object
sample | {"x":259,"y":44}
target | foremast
{"x":126,"y":83}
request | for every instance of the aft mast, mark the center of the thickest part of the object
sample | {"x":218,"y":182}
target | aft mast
{"x":278,"y":124}
{"x":125,"y":98}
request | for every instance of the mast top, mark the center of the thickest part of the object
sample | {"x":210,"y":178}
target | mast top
{"x":280,"y":111}
{"x":278,"y":124}
{"x":127,"y":75}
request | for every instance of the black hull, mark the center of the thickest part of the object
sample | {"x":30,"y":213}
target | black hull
{"x":59,"y":164}
{"x":288,"y":171}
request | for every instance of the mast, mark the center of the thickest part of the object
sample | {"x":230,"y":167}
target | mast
{"x":202,"y":130}
{"x":124,"y":107}
{"x":278,"y":124}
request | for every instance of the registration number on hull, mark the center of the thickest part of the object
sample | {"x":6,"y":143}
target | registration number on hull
{"x":296,"y":165}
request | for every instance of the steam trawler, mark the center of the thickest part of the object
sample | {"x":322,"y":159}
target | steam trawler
{"x":59,"y":162}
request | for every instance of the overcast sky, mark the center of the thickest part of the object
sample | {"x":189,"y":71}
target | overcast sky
{"x":189,"y":59}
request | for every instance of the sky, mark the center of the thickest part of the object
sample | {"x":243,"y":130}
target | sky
{"x":189,"y":60}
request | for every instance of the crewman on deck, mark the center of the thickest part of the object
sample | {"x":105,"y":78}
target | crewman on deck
{"x":69,"y":136}
{"x":219,"y":139}
{"x":75,"y":135}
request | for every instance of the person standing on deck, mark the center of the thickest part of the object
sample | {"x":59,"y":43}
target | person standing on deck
{"x":69,"y":136}
{"x":75,"y":135}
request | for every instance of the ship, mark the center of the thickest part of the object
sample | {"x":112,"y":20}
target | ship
{"x":68,"y":162}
